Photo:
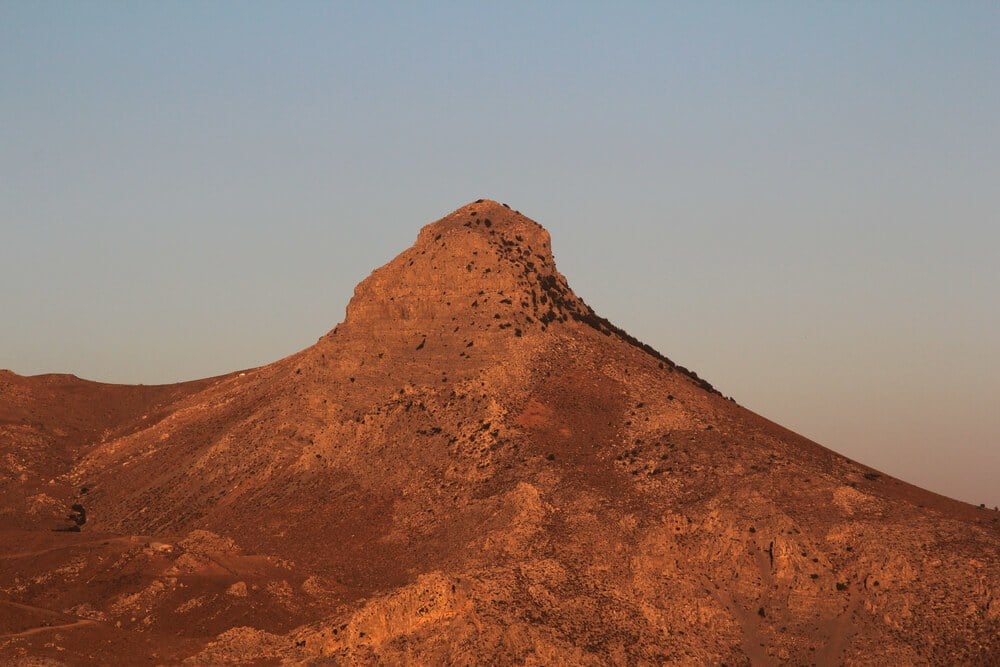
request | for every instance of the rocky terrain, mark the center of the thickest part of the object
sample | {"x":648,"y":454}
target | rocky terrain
{"x":472,"y":468}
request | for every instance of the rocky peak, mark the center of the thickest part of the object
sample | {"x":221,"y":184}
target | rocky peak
{"x":482,"y":256}
{"x":484,"y":269}
{"x":490,"y":218}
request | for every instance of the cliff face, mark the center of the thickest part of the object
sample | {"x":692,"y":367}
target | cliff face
{"x":474,"y":466}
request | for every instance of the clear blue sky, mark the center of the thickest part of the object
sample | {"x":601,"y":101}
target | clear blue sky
{"x":801,"y":201}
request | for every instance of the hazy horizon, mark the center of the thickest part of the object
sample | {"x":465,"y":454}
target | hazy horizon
{"x":797,"y":202}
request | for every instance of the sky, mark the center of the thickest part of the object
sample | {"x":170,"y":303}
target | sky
{"x":799,"y":201}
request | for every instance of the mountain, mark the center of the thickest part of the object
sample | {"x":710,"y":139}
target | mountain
{"x":474,"y":467}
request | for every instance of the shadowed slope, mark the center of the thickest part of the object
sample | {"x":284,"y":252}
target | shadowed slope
{"x":47,"y":422}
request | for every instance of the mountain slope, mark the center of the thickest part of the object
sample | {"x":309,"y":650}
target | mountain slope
{"x":476,"y":467}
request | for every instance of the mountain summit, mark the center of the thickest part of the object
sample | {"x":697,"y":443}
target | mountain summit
{"x":480,"y":250}
{"x":473,"y":467}
{"x":483,"y":268}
